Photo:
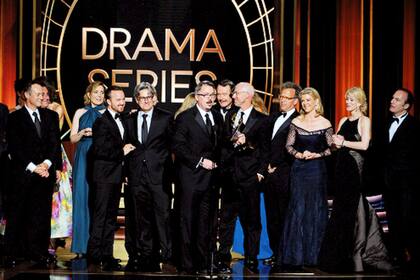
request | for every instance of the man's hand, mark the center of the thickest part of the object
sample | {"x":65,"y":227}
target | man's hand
{"x":241,"y":139}
{"x":128,"y":148}
{"x":271,"y":169}
{"x":41,"y":170}
{"x":260,"y":177}
{"x":208,"y":164}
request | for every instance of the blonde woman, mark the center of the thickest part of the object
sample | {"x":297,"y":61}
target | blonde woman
{"x":352,"y":243}
{"x":189,"y":102}
{"x":81,"y":133}
{"x":309,"y":141}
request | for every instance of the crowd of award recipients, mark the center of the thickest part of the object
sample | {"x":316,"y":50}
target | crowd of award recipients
{"x":220,"y":145}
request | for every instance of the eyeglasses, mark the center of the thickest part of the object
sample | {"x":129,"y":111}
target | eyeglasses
{"x":207,"y":95}
{"x":286,"y":97}
{"x":145,"y":98}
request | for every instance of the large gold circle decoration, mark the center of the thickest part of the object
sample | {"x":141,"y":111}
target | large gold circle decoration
{"x":172,"y":44}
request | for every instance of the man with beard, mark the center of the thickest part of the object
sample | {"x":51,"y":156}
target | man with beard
{"x":196,"y":146}
{"x":109,"y":151}
{"x":224,"y":92}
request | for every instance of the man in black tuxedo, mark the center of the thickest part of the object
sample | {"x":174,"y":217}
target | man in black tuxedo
{"x":246,"y":152}
{"x":276,"y":191}
{"x":228,"y":194}
{"x":196,"y":146}
{"x":34,"y":146}
{"x":108,"y":151}
{"x":402,"y":168}
{"x":147,"y":201}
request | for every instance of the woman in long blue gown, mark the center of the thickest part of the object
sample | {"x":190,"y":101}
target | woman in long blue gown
{"x":308,"y":141}
{"x":81,"y":133}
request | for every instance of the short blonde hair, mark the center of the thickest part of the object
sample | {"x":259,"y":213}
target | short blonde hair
{"x":360,"y":95}
{"x":315,"y":95}
{"x":91,"y":87}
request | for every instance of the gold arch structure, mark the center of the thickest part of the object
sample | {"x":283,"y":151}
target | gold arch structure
{"x":53,"y":42}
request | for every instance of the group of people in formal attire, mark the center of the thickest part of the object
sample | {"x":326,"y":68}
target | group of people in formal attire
{"x":221,"y":150}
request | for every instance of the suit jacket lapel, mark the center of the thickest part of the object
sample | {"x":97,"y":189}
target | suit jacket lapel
{"x":285,"y":124}
{"x":399,"y":129}
{"x":200,"y":120}
{"x":28,"y":119}
{"x":153,"y":123}
{"x":251,"y":121}
{"x":115,"y":130}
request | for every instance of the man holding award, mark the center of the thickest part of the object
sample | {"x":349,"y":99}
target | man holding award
{"x":246,"y":152}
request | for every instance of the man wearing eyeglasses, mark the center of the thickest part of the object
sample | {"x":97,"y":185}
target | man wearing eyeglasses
{"x":276,"y":192}
{"x":246,"y":151}
{"x":147,"y":201}
{"x":196,"y":145}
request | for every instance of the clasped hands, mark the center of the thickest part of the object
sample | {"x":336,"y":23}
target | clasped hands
{"x":338,"y":140}
{"x":42,"y":170}
{"x":307,"y":155}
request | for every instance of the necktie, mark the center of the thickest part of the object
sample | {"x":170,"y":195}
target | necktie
{"x":37,"y":124}
{"x":241,"y":124}
{"x":283,"y":114}
{"x":117,"y":116}
{"x":144,"y":129}
{"x":208,"y":124}
{"x":224,"y":109}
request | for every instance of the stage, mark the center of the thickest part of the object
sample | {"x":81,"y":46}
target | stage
{"x":68,"y":269}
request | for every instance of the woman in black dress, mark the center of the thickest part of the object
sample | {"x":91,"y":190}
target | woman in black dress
{"x":353,"y":240}
{"x":309,"y":138}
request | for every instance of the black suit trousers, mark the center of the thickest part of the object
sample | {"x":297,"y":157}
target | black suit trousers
{"x":149,"y":218}
{"x":104,"y":210}
{"x":28,"y":217}
{"x":196,"y":222}
{"x":276,"y":198}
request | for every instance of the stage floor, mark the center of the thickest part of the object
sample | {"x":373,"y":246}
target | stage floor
{"x":67,"y":269}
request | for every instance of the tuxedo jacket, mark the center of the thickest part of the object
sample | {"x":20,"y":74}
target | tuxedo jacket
{"x":278,"y":155}
{"x":25,"y":146}
{"x":402,"y":164}
{"x":154,"y":155}
{"x":246,"y":163}
{"x":107,"y":150}
{"x":191,"y":142}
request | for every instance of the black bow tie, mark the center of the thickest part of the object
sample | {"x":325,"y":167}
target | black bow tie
{"x":224,"y":109}
{"x":283,"y":114}
{"x":397,"y":120}
{"x":117,"y":116}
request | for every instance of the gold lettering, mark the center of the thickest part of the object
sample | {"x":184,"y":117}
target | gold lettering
{"x":121,"y":46}
{"x":204,"y":73}
{"x":116,"y":72}
{"x":97,"y":71}
{"x":175,"y":85}
{"x":217,"y":49}
{"x":139,"y":73}
{"x":154,"y":48}
{"x":86,"y":56}
{"x":169,"y":37}
{"x":163,"y":88}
